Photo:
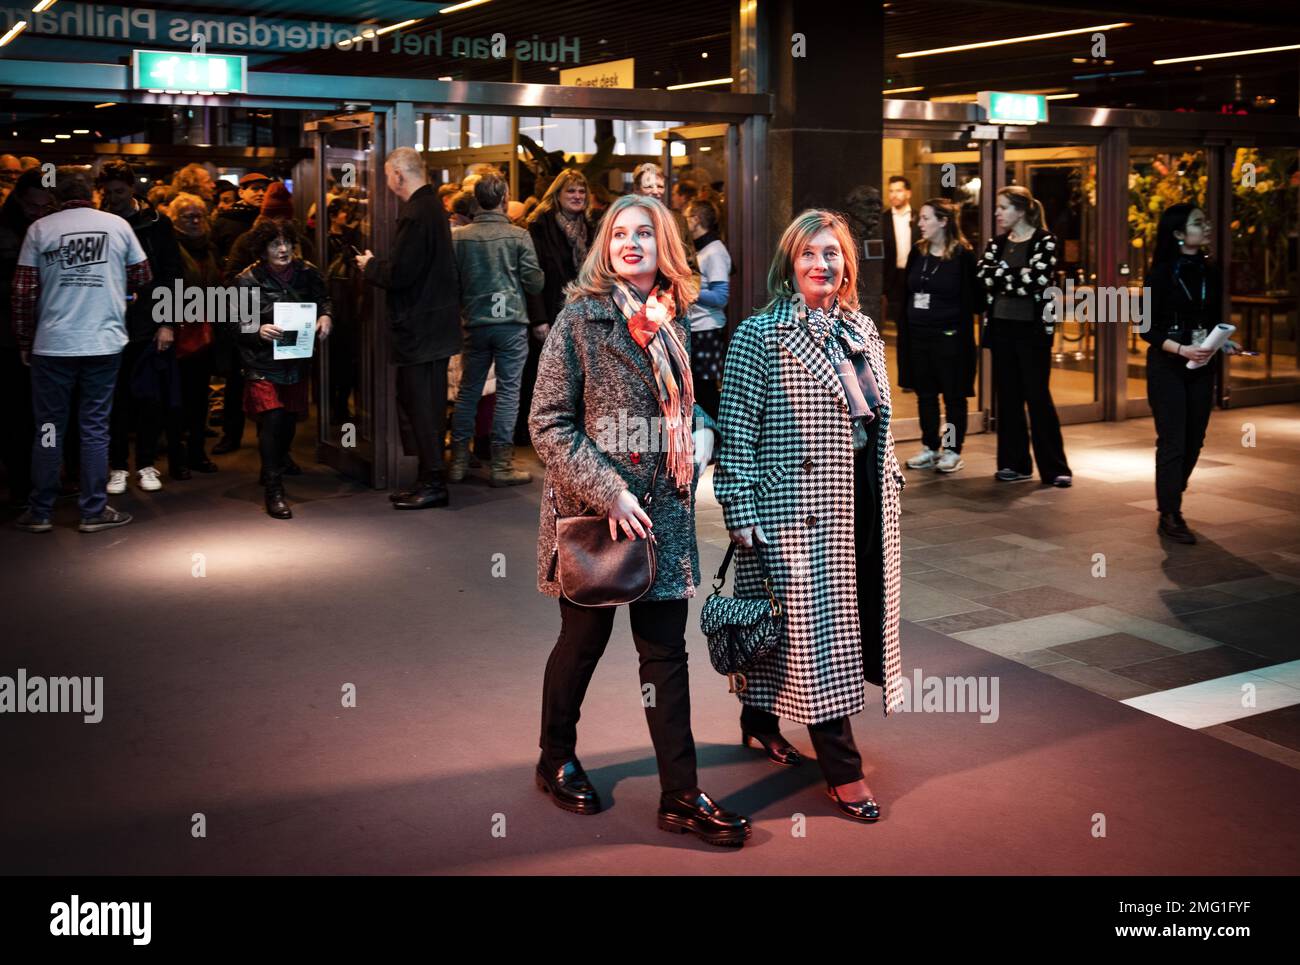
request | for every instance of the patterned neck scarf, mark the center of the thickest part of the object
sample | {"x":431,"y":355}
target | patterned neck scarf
{"x":857,"y":380}
{"x":574,"y":227}
{"x":649,"y":320}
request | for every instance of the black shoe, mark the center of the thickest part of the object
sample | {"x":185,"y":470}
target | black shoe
{"x":207,"y":465}
{"x":225,"y":445}
{"x":778,"y":749}
{"x":276,"y":507}
{"x":1063,"y":482}
{"x":1011,"y":475}
{"x":291,"y":468}
{"x":423,"y":496}
{"x":108,"y":519}
{"x":1175,"y":527}
{"x":867,"y":810}
{"x":568,"y":786}
{"x":33,"y":523}
{"x":697,"y":813}
{"x":180,"y":472}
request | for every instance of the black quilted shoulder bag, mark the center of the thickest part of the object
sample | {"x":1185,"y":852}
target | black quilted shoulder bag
{"x":741,"y":632}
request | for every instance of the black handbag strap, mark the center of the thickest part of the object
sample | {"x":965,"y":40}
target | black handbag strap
{"x":646,"y":498}
{"x":762,"y":568}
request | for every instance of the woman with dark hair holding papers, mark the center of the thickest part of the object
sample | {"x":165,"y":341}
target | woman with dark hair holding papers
{"x":1186,"y":297}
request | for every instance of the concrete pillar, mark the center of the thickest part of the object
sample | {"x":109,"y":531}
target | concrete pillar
{"x":825,"y":67}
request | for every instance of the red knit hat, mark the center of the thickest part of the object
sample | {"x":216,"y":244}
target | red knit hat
{"x":278,"y":203}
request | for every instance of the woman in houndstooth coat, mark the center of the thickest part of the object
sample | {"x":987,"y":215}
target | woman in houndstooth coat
{"x":809,"y":488}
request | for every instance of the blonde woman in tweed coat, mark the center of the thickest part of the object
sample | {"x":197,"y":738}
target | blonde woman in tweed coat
{"x":809,"y":488}
{"x":619,"y":355}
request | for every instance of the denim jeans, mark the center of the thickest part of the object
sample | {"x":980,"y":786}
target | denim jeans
{"x":507,"y":344}
{"x":54,"y":379}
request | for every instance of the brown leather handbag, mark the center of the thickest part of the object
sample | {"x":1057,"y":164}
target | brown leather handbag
{"x":594,"y":570}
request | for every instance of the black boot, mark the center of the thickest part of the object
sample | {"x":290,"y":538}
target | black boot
{"x":276,"y":507}
{"x":1175,"y":527}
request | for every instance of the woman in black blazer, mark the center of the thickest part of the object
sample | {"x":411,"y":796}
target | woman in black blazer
{"x":561,"y":230}
{"x":1016,"y":272}
{"x":936,"y":338}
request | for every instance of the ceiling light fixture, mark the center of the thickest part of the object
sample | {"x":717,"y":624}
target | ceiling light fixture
{"x":1014,"y":40}
{"x":700,"y":83}
{"x":1183,"y":60}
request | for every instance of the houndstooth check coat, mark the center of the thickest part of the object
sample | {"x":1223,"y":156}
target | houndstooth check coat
{"x":786,"y":463}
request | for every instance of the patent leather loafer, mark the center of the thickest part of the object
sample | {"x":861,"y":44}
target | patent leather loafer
{"x":1173,"y":526}
{"x":568,"y":786}
{"x":778,"y":749}
{"x":866,"y":810}
{"x":694,"y":812}
{"x":423,"y":496}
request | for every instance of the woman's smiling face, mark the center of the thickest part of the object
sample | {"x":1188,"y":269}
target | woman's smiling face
{"x":632,"y":249}
{"x":819,"y":269}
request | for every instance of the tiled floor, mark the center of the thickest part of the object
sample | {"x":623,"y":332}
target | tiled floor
{"x":1076,"y":583}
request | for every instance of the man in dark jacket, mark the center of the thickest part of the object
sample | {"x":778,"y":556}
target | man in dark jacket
{"x":239,"y":217}
{"x":424,"y":313}
{"x":150,"y":342}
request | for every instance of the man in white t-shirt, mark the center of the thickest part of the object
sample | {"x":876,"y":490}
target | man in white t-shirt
{"x":75,"y":271}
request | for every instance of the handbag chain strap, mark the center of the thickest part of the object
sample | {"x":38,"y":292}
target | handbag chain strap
{"x":767,"y":579}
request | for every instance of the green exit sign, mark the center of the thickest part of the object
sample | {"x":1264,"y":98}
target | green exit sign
{"x":1001,"y":107}
{"x":166,"y":71}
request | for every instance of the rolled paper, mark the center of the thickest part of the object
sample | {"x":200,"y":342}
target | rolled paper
{"x":1218,"y":335}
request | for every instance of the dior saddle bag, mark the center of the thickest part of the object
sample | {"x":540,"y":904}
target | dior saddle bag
{"x":594,"y":570}
{"x":741,"y":632}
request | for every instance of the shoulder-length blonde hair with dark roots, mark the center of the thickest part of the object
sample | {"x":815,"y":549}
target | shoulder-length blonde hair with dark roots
{"x":781,"y":283}
{"x":597,"y":275}
{"x":551,"y":199}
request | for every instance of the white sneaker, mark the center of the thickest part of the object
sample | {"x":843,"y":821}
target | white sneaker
{"x":950,"y":461}
{"x":923,"y":460}
{"x":116,"y":481}
{"x":149,"y":480}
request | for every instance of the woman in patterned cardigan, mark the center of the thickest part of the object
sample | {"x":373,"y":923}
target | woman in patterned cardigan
{"x":616,"y":362}
{"x":1016,"y":272}
{"x":808,"y":483}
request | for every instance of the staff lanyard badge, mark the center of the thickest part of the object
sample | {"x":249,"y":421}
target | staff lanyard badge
{"x":921,"y":299}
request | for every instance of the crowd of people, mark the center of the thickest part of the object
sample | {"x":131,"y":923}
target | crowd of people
{"x":583,"y":315}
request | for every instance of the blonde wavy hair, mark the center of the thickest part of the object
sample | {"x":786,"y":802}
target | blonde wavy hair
{"x":596,"y":277}
{"x":781,"y":284}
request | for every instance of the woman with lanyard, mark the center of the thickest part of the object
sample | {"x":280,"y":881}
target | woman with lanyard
{"x":1016,"y":271}
{"x":936,"y":339}
{"x":809,"y":488}
{"x":1186,"y":293}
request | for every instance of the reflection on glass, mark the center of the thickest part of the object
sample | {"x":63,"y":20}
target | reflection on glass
{"x":1262,"y":276}
{"x":349,"y":161}
{"x":1064,"y":179}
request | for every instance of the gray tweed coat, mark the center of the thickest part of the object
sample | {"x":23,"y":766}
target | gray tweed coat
{"x":594,"y":383}
{"x":787,"y":463}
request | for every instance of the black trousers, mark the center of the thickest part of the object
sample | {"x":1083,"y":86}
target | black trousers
{"x":1022,"y":372}
{"x":275,"y":431}
{"x":837,"y":753}
{"x":659,"y":631}
{"x":422,"y":414}
{"x":143,"y":418}
{"x":1181,"y":402}
{"x":195,"y":370}
{"x":936,"y":370}
{"x":18,"y":428}
{"x":232,"y":406}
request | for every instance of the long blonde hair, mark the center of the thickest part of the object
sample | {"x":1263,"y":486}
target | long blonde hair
{"x":781,"y":283}
{"x":597,"y":276}
{"x":551,"y":199}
